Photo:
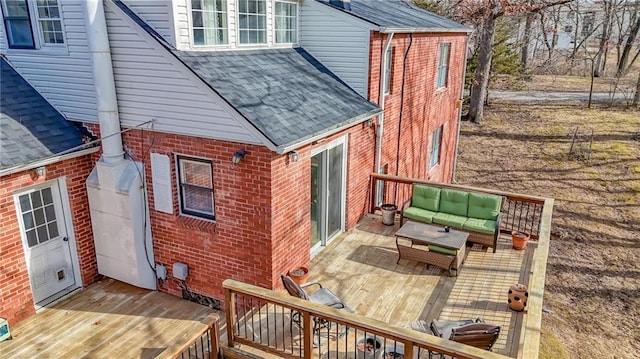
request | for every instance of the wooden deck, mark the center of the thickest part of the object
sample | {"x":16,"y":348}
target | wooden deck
{"x":360,"y":266}
{"x":108,"y":319}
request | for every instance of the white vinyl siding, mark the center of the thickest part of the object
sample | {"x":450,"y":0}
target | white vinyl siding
{"x":62,"y":75}
{"x":158,"y":14}
{"x":152,"y":84}
{"x":443,"y":65}
{"x":339,"y":41}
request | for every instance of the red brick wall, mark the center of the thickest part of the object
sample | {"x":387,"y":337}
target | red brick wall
{"x":424,"y":107}
{"x":16,"y":300}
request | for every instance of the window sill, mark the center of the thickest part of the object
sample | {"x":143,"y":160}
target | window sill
{"x":43,"y":51}
{"x":197,"y":224}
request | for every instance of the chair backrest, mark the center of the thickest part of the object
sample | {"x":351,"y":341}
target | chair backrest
{"x":479,"y":335}
{"x":293,"y":288}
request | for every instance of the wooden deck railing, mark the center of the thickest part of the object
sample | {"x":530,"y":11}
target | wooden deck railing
{"x":277,"y":323}
{"x":203,"y":344}
{"x":519,"y":212}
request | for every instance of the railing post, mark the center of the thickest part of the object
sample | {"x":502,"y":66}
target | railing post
{"x":214,"y":333}
{"x":307,"y":334}
{"x":230,"y":300}
{"x":408,"y":349}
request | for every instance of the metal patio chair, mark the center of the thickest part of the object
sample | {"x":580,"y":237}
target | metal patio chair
{"x":322,"y":296}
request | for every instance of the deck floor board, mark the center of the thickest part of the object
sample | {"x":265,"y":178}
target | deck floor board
{"x":108,"y":319}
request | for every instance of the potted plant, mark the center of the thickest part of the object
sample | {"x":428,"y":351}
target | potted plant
{"x":299,"y":274}
{"x":519,"y":239}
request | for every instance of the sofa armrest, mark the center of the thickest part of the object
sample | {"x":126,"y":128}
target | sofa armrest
{"x":497,"y":232}
{"x":405,"y":205}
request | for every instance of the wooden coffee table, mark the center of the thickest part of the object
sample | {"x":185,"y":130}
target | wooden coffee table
{"x":413,"y":238}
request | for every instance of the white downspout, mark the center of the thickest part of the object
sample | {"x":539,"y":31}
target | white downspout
{"x":99,"y":49}
{"x":464,"y":74}
{"x":382,"y":83}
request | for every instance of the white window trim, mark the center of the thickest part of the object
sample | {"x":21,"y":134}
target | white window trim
{"x":439,"y":129}
{"x":38,"y":40}
{"x":438,"y":65}
{"x":205,"y":216}
{"x":267,"y":15}
{"x":273,"y":27}
{"x":208,"y":47}
{"x":388,"y":68}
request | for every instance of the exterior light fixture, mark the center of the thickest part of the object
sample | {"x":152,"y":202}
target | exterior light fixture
{"x":293,"y":156}
{"x":238,"y":156}
{"x":40,"y":171}
{"x":369,"y":122}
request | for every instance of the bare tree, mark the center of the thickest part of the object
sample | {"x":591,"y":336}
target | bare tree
{"x":623,"y":61}
{"x":636,"y":97}
{"x":607,"y":23}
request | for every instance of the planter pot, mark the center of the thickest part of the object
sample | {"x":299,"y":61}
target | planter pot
{"x":299,"y":274}
{"x":369,"y":348}
{"x":517,"y":297}
{"x":388,"y":213}
{"x":520,"y":239}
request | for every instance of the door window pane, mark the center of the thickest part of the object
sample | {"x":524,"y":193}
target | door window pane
{"x":32,"y":239}
{"x":27,"y":218}
{"x":25,"y":203}
{"x":39,"y":216}
{"x":47,"y":198}
{"x":42,"y":234}
{"x":36,"y":200}
{"x":53,"y":229}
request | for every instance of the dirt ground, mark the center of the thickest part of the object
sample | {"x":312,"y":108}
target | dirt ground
{"x":592,"y":289}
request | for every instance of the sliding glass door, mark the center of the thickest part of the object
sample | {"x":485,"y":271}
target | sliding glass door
{"x":327,"y":193}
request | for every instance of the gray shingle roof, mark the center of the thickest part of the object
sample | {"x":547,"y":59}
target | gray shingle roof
{"x":399,"y":14}
{"x":285,"y":93}
{"x":30,"y":128}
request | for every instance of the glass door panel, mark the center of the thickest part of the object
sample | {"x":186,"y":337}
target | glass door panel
{"x":316,"y":198}
{"x":334,"y":189}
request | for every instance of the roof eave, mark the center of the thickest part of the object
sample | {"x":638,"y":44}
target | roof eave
{"x":312,"y":138}
{"x":387,"y":30}
{"x":62,"y":156}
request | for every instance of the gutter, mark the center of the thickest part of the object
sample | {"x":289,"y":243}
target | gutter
{"x":62,"y":156}
{"x":390,"y":30}
{"x":464,"y":75}
{"x":355,"y":121}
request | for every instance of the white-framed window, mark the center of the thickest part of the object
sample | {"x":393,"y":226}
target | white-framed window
{"x":434,"y":150}
{"x":209,"y":19}
{"x":388,"y":65}
{"x":252,"y":21}
{"x":195,"y":186}
{"x":31,"y":24}
{"x":443,"y":65}
{"x":285,"y":16}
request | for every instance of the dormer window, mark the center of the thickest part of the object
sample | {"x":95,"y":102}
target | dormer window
{"x":286,"y":22}
{"x":35,"y":29}
{"x":209,"y":22}
{"x":252,"y":21}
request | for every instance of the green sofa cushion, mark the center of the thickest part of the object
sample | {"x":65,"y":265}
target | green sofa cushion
{"x":484,"y":206}
{"x":485,"y":226}
{"x":419,"y":214}
{"x":447,"y":219}
{"x":438,"y":249}
{"x":453,"y":202}
{"x":426,"y":197}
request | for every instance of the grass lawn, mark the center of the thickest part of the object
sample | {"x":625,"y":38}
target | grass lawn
{"x":593,"y":272}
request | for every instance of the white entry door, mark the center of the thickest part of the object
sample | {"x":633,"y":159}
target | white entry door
{"x":45,"y":241}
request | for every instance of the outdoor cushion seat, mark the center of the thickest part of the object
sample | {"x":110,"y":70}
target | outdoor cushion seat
{"x":448,"y":251}
{"x":485,"y":226}
{"x":474,"y":333}
{"x":475,"y":213}
{"x":419,"y":214}
{"x":447,"y":219}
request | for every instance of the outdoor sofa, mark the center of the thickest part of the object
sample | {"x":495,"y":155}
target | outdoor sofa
{"x":475,"y":213}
